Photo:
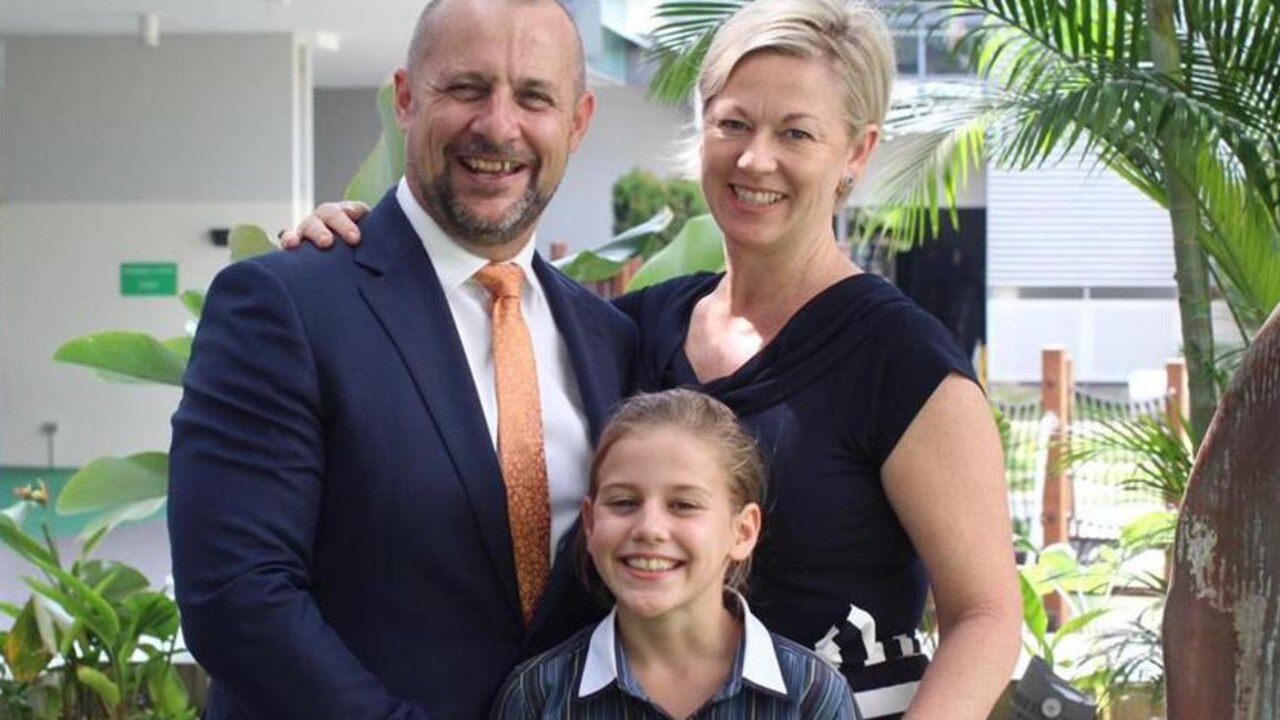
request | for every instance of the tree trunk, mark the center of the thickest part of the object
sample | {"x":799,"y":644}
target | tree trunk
{"x":1222,"y":615}
{"x":1178,"y":152}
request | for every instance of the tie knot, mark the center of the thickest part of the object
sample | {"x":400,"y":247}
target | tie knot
{"x":502,"y":281}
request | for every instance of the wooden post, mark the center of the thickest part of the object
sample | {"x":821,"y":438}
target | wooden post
{"x":623,"y":278}
{"x":1055,"y":388}
{"x":559,"y":249}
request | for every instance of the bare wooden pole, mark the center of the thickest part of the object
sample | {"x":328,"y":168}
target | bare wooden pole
{"x":1055,"y":389}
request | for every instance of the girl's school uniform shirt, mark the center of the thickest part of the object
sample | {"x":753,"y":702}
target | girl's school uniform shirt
{"x":587,"y":678}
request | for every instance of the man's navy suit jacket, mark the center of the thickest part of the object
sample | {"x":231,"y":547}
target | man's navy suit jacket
{"x":338,"y":518}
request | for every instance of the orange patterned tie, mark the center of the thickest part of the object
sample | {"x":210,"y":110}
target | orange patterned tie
{"x":520,"y":448}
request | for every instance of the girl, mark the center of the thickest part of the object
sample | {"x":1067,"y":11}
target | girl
{"x":672,"y":516}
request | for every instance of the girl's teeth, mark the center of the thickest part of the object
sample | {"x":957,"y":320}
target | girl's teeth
{"x":650,"y":564}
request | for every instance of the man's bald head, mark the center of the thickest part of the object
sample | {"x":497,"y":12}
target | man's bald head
{"x":429,"y":23}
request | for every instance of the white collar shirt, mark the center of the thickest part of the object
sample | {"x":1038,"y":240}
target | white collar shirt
{"x":564,"y":425}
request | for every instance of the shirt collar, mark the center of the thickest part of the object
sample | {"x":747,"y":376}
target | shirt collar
{"x":454,"y":264}
{"x":757,"y":655}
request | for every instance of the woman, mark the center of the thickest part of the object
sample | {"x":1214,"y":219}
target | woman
{"x":882,"y":453}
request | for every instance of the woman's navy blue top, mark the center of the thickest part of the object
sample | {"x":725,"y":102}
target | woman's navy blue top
{"x":827,"y":399}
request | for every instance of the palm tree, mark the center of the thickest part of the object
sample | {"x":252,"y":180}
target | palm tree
{"x":1180,"y":97}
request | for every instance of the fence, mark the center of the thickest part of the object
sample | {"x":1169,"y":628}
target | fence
{"x":1087,"y":504}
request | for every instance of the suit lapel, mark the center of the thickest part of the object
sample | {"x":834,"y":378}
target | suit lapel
{"x":404,"y":293}
{"x":580,"y":334}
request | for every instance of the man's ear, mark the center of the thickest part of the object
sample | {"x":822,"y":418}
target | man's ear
{"x":403,"y":98}
{"x":583,"y":110}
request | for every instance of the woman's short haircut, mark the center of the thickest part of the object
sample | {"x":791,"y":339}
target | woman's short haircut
{"x":849,"y":34}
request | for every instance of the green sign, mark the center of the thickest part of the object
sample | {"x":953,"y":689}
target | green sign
{"x":148,"y":278}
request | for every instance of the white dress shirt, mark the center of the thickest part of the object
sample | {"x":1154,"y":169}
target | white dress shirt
{"x":564,"y":424}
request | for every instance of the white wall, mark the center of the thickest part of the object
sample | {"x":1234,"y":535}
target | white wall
{"x":1076,"y":228}
{"x":346,"y":130}
{"x":113,"y":152}
{"x":628,"y":131}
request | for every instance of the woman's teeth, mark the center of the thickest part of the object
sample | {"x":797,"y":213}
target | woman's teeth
{"x":756,"y":197}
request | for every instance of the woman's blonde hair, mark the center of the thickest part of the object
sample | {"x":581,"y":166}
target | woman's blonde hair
{"x":705,"y":420}
{"x":849,"y":34}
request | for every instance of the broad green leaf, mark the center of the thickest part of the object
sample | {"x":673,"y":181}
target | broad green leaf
{"x":25,"y":654}
{"x":120,"y":514}
{"x":112,"y":580}
{"x":165,"y":688}
{"x":604,"y":262}
{"x":152,"y":613}
{"x":1033,"y":612}
{"x":698,"y":247}
{"x":1058,"y":561}
{"x":247,"y":241}
{"x":385,"y":163}
{"x":81,"y":603}
{"x":109,"y":482}
{"x":132,"y":354}
{"x":180,"y":346}
{"x":193,"y":301}
{"x":95,"y":680}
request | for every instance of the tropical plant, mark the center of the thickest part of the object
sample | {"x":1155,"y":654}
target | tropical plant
{"x":123,"y":489}
{"x":639,"y":195}
{"x":1179,"y":97}
{"x":93,"y":641}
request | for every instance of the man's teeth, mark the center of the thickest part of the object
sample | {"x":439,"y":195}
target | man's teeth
{"x":756,"y":197}
{"x":650,"y":564}
{"x":497,"y":167}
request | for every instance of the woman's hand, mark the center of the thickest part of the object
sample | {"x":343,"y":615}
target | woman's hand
{"x":319,"y":227}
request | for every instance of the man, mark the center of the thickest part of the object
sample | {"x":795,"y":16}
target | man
{"x":349,"y":536}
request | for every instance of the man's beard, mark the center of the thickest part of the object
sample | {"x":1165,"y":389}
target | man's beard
{"x":457,"y":219}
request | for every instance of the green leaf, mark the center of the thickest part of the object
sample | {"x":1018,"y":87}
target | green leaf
{"x":27,"y":547}
{"x":1034,"y":615}
{"x":165,"y":688}
{"x":1154,"y":530}
{"x":108,"y":482}
{"x":25,"y":653}
{"x":698,"y":247}
{"x":101,"y":684}
{"x":80,"y":601}
{"x":1077,"y":624}
{"x":132,"y":354}
{"x":114,"y":581}
{"x":247,"y":241}
{"x":604,"y":262}
{"x":193,"y":301}
{"x":120,"y":514}
{"x":152,"y":613}
{"x":385,"y":163}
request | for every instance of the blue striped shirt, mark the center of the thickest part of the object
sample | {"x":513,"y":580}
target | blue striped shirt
{"x":587,"y":678}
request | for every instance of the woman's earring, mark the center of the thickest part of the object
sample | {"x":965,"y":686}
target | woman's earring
{"x":846,"y":184}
